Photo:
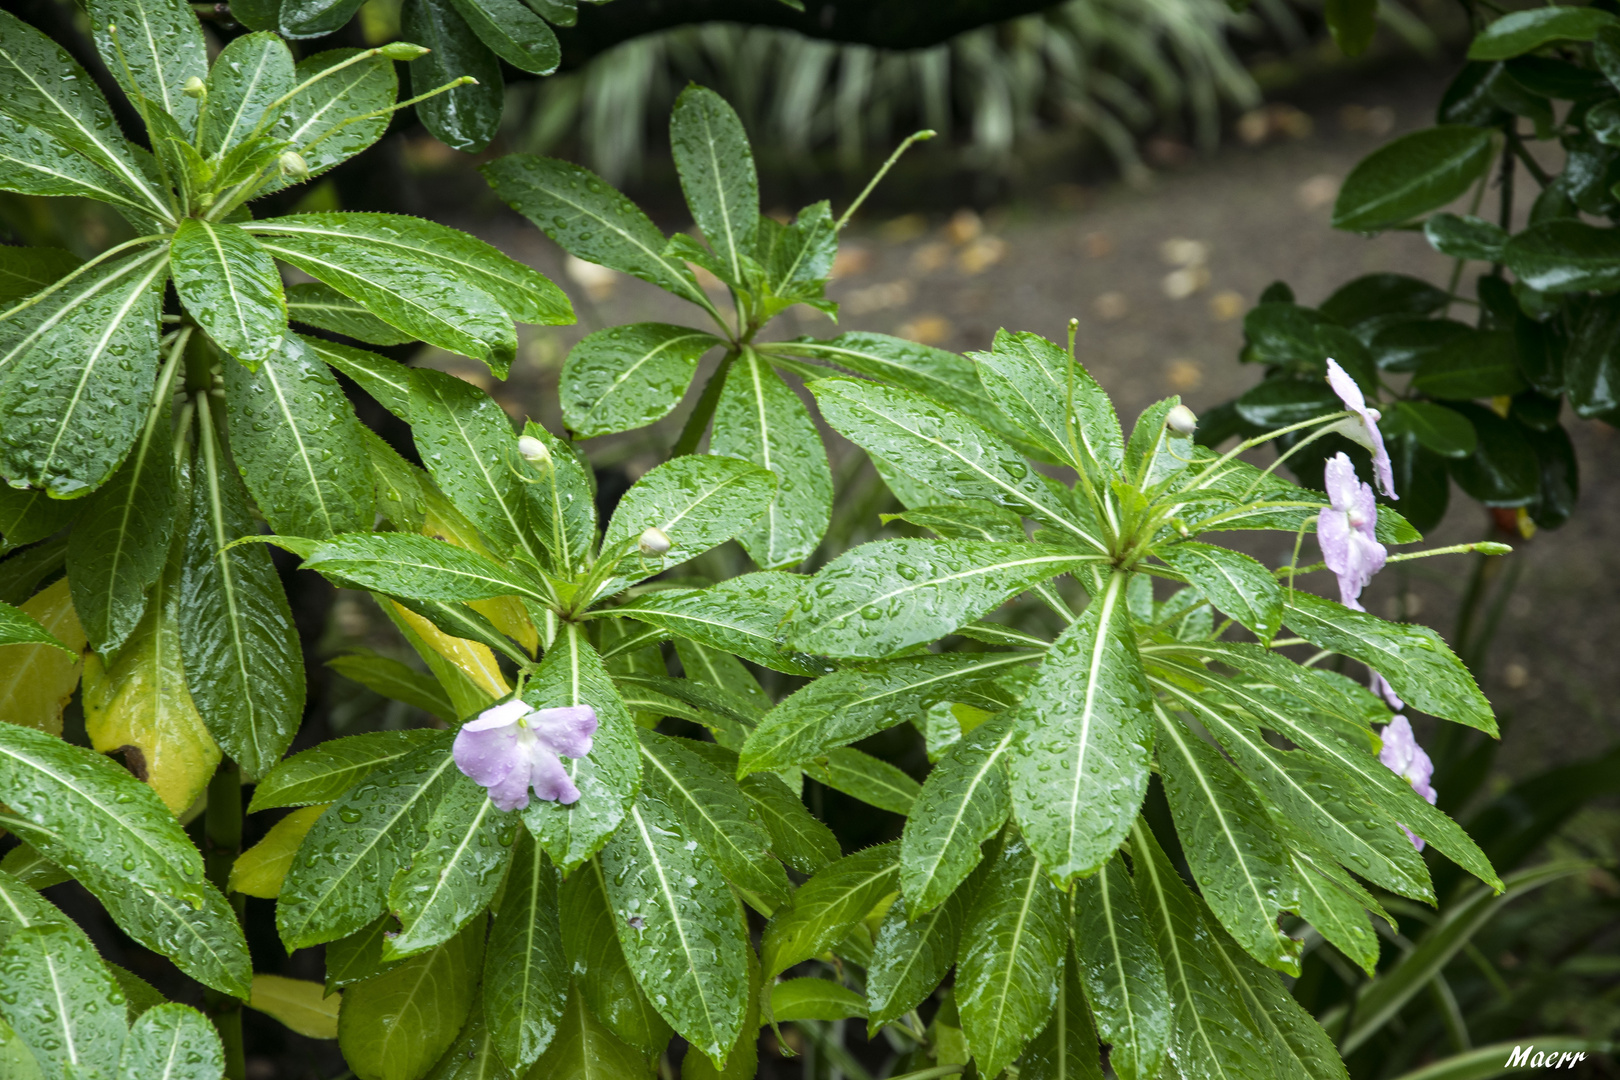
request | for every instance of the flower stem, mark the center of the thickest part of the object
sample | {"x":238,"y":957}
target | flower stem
{"x":916,"y":136}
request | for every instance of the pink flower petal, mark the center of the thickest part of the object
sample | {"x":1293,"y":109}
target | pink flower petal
{"x":512,"y":792}
{"x":566,"y":730}
{"x":487,"y":756}
{"x":550,"y":779}
{"x":1349,"y":393}
{"x":502,"y":715}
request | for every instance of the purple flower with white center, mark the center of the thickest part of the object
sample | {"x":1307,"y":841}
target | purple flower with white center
{"x":1402,"y":754}
{"x":1346,"y":530}
{"x":512,"y":747}
{"x":1363,"y":427}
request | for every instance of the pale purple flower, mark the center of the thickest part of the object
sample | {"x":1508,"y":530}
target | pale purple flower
{"x":1403,"y":756}
{"x":1346,"y":530}
{"x":1380,"y":686}
{"x":512,"y":747}
{"x":1363,"y":427}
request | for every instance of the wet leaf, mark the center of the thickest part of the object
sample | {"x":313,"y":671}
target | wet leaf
{"x":586,"y":1050}
{"x":740,"y":615}
{"x":262,"y":869}
{"x":57,"y":996}
{"x":1412,"y":175}
{"x":249,"y":74}
{"x":513,"y":32}
{"x":526,"y":968}
{"x":230,"y":285}
{"x":964,"y":802}
{"x":454,"y":872}
{"x":298,"y":1003}
{"x":323,"y":307}
{"x":1565,"y":255}
{"x":825,"y":908}
{"x":323,"y":121}
{"x":398,"y":1024}
{"x":1030,"y":379}
{"x":416,"y":566}
{"x":1519,"y":32}
{"x":626,"y":377}
{"x":323,"y":773}
{"x":602,"y":978}
{"x":716,"y":168}
{"x":1116,"y":960}
{"x":910,"y":958}
{"x":1066,"y":1048}
{"x":814,"y":999}
{"x":1233,"y":582}
{"x":172,"y":1042}
{"x":467,"y":117}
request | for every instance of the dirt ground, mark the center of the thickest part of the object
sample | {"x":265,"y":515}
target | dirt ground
{"x":1159,"y":278}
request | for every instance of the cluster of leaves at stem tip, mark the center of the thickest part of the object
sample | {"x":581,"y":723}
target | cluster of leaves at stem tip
{"x":1475,"y":384}
{"x":689,"y":876}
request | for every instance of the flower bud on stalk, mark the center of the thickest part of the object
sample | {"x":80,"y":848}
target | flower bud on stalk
{"x":293,"y":166}
{"x":534,"y":452}
{"x":195,"y":88}
{"x":1181,"y":420}
{"x":403,"y":51}
{"x":654,"y":542}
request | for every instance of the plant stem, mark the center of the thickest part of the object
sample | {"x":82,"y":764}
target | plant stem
{"x":222,"y":829}
{"x":919,"y":136}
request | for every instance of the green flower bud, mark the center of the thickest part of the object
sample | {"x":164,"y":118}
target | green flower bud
{"x":293,"y":166}
{"x":403,"y":51}
{"x":195,"y":88}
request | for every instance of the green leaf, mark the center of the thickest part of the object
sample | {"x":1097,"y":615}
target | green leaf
{"x":323,"y":122}
{"x":681,"y":928}
{"x":16,"y":1060}
{"x":1519,"y":32}
{"x":584,"y":1049}
{"x":1412,"y":175}
{"x":797,"y":837}
{"x":740,"y":615}
{"x":1565,"y":255}
{"x":1336,"y":915}
{"x":1066,"y":1048}
{"x":243,"y":663}
{"x":1353,"y":24}
{"x":358,"y":957}
{"x":513,"y":32}
{"x":814,"y":999}
{"x":398,"y":1024}
{"x":759,"y":419}
{"x":229,"y":284}
{"x":43,"y":86}
{"x":602,"y":975}
{"x":698,"y":501}
{"x":26,"y":270}
{"x":864,"y":777}
{"x":431,"y":304}
{"x":314,"y":18}
{"x":1381,"y":998}
{"x":1234,"y":582}
{"x":1476,"y":364}
{"x":454,"y":872}
{"x":17,"y":627}
{"x":93,"y":818}
{"x":467,"y":117}
{"x":204,"y":941}
{"x":1010,"y":964}
{"x":473,"y":1055}
{"x":964,"y":802}
{"x":393,"y":679}
{"x":1080,"y":767}
{"x":525,"y":966}
{"x":946,"y":377}
{"x":944,"y":449}
{"x":172,"y":1042}
{"x":1114,"y":956}
{"x":716,"y":167}
{"x":323,"y":307}
{"x":571,"y":673}
{"x":61,"y":1002}
{"x":890,"y":594}
{"x":626,"y":377}
{"x":1296,"y":1043}
{"x":1029,"y":378}
{"x":1240,"y":865}
{"x":1418,"y":664}
{"x":562,"y":503}
{"x":118,"y":549}
{"x":324,"y":773}
{"x":527,"y":295}
{"x":35,"y":162}
{"x":296,"y":439}
{"x":419,"y":567}
{"x":340,"y":880}
{"x":1212,"y":1036}
{"x":73,"y":367}
{"x":1279,"y":402}
{"x":910,"y":958}
{"x":589,"y":219}
{"x":248,"y":76}
{"x":850,"y":705}
{"x":714,"y":812}
{"x":467,"y":444}
{"x":1466,"y":237}
{"x":825,"y":908}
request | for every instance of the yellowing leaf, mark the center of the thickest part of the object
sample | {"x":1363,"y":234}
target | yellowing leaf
{"x":37,"y":680}
{"x":140,"y":704}
{"x":260,"y":869}
{"x":298,"y":1003}
{"x":506,"y":612}
{"x":472,"y":659}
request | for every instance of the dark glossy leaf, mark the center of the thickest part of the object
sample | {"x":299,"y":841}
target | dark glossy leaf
{"x":1282,"y":401}
{"x":1560,"y":476}
{"x":627,"y":377}
{"x":324,"y":773}
{"x":243,"y":663}
{"x":513,"y":32}
{"x":1412,"y":175}
{"x":1465,"y":237}
{"x":1479,"y":364}
{"x":1422,"y":480}
{"x":1442,"y":430}
{"x":1502,"y":470}
{"x":467,"y":117}
{"x":1374,"y":299}
{"x":1520,"y":32}
{"x":295,"y":437}
{"x":602,"y":976}
{"x":1565,"y":255}
{"x":1592,"y":361}
{"x":1066,"y":1048}
{"x":314,"y":18}
{"x":26,"y":270}
{"x":1402,"y":346}
{"x":1080,"y":769}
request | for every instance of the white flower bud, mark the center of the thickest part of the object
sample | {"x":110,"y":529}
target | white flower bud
{"x":534,"y":451}
{"x":654,"y":542}
{"x":1181,"y":420}
{"x":293,"y":166}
